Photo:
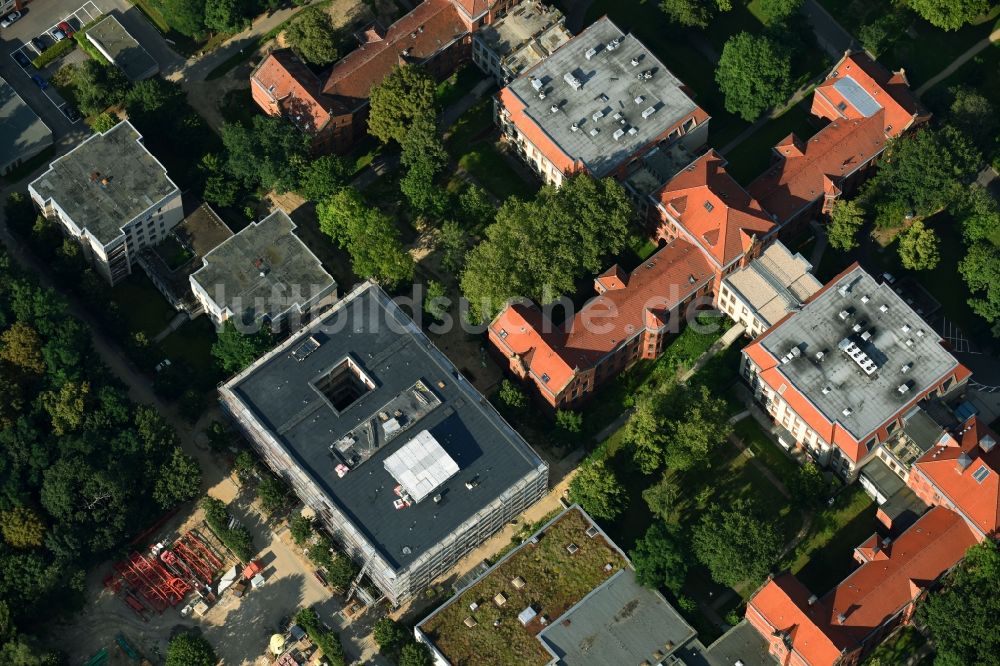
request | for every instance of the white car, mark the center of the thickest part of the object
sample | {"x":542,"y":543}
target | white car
{"x":10,"y":18}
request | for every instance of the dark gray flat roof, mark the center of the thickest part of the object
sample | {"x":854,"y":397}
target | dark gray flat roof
{"x":741,"y":643}
{"x":884,"y":330}
{"x":393,"y":352}
{"x":883,"y":478}
{"x":264,"y":270}
{"x":619,"y":622}
{"x":608,"y":86}
{"x":114,"y":40}
{"x":22,"y":132}
{"x":136,"y":181}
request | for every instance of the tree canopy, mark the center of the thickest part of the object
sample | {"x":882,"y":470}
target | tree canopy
{"x":235,"y":349}
{"x":693,"y":13}
{"x":425,"y":156}
{"x":777,"y":12}
{"x":389,"y":635}
{"x":405,"y":94}
{"x":846,"y":220}
{"x":918,"y":247}
{"x":415,"y":654}
{"x":185,"y":16}
{"x":961,"y":617}
{"x":981,"y":269}
{"x":735,"y":544}
{"x":368,"y":235}
{"x":979,"y":215}
{"x":973,"y":114}
{"x":226,"y":16}
{"x":313,"y":36}
{"x":660,"y":559}
{"x":321,"y":177}
{"x":259,"y":154}
{"x":596,"y":488}
{"x":538,"y":249}
{"x":190,"y":649}
{"x":949,"y":14}
{"x":754,"y":74}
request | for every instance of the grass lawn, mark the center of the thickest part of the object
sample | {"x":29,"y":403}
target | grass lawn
{"x":824,"y":557}
{"x":752,"y":157}
{"x":458,"y":84}
{"x":765,"y":448}
{"x":554,"y":581}
{"x":922,"y":56}
{"x":192,"y":343}
{"x":142,"y":307}
{"x":901,"y":645}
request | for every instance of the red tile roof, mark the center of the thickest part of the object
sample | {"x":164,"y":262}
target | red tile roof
{"x":474,"y":8}
{"x":718,"y":214}
{"x":283,"y":77}
{"x":659,"y":284}
{"x":850,"y":141}
{"x":978,"y":500}
{"x":870,"y":596}
{"x":417,"y":36}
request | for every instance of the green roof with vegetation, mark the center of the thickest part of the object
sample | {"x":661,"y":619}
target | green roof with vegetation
{"x":554,"y":580}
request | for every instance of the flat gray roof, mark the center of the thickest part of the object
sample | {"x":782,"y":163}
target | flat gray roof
{"x":263,"y":271}
{"x":608,"y":84}
{"x":135,"y":181}
{"x":619,"y":622}
{"x":887,"y":337}
{"x":884,"y":479}
{"x":741,"y":644}
{"x":527,"y":34}
{"x":22,"y":133}
{"x":114,"y":41}
{"x":285,"y":397}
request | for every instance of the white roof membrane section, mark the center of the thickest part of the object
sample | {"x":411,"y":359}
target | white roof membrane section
{"x":420,"y":466}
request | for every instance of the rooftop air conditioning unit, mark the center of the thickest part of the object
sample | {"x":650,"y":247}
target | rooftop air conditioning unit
{"x":619,"y":133}
{"x":591,"y":52}
{"x":648,"y":112}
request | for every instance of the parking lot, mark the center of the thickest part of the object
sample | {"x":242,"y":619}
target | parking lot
{"x":37,"y":21}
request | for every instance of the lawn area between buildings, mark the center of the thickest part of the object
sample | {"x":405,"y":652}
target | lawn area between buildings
{"x":923,"y":50}
{"x":554,"y":580}
{"x":899,"y":647}
{"x":754,"y":155}
{"x":825,"y":556}
{"x":142,"y":308}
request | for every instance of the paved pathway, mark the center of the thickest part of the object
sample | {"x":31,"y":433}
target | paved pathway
{"x":976,"y":48}
{"x":830,"y":35}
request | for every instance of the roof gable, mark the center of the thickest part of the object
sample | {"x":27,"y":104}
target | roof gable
{"x":289,"y":82}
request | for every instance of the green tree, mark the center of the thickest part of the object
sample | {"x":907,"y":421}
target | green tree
{"x":693,"y":13}
{"x":453,"y":245}
{"x":301,"y":529}
{"x":436,"y":300}
{"x":190,"y":649}
{"x":341,"y":572}
{"x":22,"y":527}
{"x":703,"y":426}
{"x":179,"y":480}
{"x":569,"y":422}
{"x":389,"y":635}
{"x":103,"y":122}
{"x":21,"y":346}
{"x":541,"y":247}
{"x":415,"y":654}
{"x":973,"y":114}
{"x":735,"y":544}
{"x":67,"y":406}
{"x":475,"y":208}
{"x":313,"y":36}
{"x":320,"y":177}
{"x":922,"y":172}
{"x":949,"y":14}
{"x":754,"y":74}
{"x":405,"y":94}
{"x":807,"y":485}
{"x":979,"y":215}
{"x":235,"y":350}
{"x":220,"y":188}
{"x":846,"y":219}
{"x":368,"y":235}
{"x":918,"y":247}
{"x":961,"y":616}
{"x":598,"y":490}
{"x":512,"y":395}
{"x":226,"y":16}
{"x":659,"y":558}
{"x":662,"y":496}
{"x":259,"y":155}
{"x":425,"y":198}
{"x":245,"y":465}
{"x":20,"y":212}
{"x":777,"y":12}
{"x":97,"y":87}
{"x":645,"y":431}
{"x":878,"y":35}
{"x":185,"y":16}
{"x":981,"y":269}
{"x":272,"y":494}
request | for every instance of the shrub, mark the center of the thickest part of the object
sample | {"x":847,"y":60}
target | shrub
{"x":301,"y":529}
{"x":53,"y":53}
{"x":326,"y":640}
{"x":80,"y":37}
{"x":236,"y":539}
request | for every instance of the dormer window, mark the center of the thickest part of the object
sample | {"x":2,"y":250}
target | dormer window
{"x":503,"y":334}
{"x":709,"y":207}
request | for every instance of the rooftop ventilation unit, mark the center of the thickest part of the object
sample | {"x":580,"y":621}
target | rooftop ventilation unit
{"x":575,"y":127}
{"x":844,"y":290}
{"x":865,"y":298}
{"x":595,"y":132}
{"x":554,"y":109}
{"x":909,"y":342}
{"x":906,"y":368}
{"x":574,"y":82}
{"x":639,"y":99}
{"x":905,"y":328}
{"x":650,"y":110}
{"x":883,"y":308}
{"x":903,"y":388}
{"x":820,"y":355}
{"x":618,"y":116}
{"x":591,"y":52}
{"x":866,"y":336}
{"x":632,"y":131}
{"x":858,"y":356}
{"x":541,"y":94}
{"x":827,"y":390}
{"x":536,"y":83}
{"x":614,"y":44}
{"x":634,"y":62}
{"x":597,"y":115}
{"x":844,"y":314}
{"x":920,"y":332}
{"x":619,"y":133}
{"x":847,"y":411}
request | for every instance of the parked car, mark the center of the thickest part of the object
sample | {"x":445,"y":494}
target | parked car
{"x":321,"y":578}
{"x":165,"y":363}
{"x":66,"y":28}
{"x":39,"y":81}
{"x":38,"y":43}
{"x":57,"y":34}
{"x":22,"y":60}
{"x":74,"y":115}
{"x":10,"y":18}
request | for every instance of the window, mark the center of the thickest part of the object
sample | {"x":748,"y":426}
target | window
{"x":709,"y":207}
{"x":503,"y":334}
{"x":689,"y":124}
{"x":980,"y":474}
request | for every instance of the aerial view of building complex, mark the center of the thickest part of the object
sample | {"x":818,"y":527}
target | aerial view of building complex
{"x":500,"y":333}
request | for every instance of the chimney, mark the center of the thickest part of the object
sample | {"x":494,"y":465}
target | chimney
{"x":964,"y":461}
{"x":812,"y":599}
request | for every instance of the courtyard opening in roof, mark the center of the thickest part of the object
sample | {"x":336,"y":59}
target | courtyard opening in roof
{"x":344,"y":384}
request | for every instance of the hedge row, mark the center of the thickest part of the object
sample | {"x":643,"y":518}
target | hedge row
{"x":326,"y":640}
{"x":236,"y":539}
{"x":81,"y":38}
{"x":54,"y":52}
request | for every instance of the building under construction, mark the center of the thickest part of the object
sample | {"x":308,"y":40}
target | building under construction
{"x":403,"y":461}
